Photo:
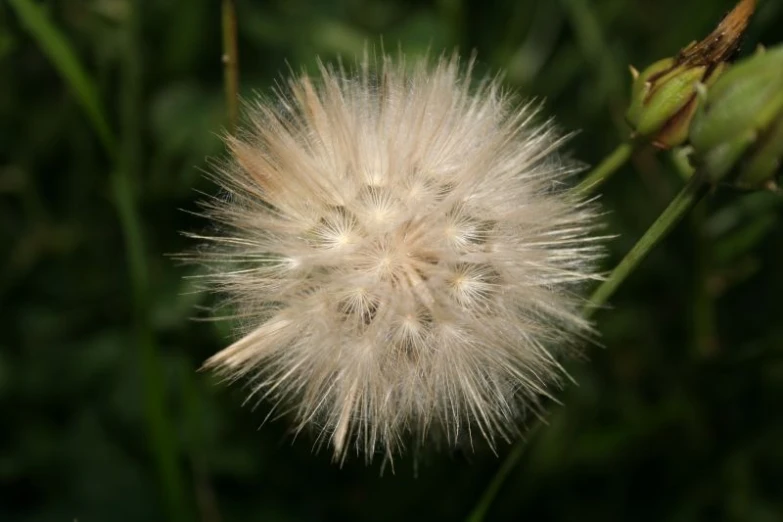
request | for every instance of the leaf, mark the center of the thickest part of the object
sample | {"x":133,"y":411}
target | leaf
{"x":59,"y":50}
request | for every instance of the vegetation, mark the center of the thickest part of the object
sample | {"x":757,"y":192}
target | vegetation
{"x":109,"y":111}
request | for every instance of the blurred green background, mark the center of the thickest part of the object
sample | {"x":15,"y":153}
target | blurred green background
{"x":678,"y":417}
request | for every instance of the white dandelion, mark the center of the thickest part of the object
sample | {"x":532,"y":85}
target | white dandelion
{"x":404,"y":255}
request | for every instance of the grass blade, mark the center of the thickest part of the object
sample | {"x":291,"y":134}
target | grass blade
{"x":59,"y":50}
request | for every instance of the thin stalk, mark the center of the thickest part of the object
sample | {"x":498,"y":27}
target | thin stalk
{"x":231,"y":63}
{"x":480,"y":511}
{"x":192,"y":400}
{"x":610,"y":164}
{"x":159,"y":427}
{"x":58,"y":48}
{"x":690,"y":194}
{"x":704,"y":321}
{"x":592,"y":42}
{"x":453,"y":12}
{"x":123,"y":181}
{"x":703,"y":310}
{"x":55,"y":44}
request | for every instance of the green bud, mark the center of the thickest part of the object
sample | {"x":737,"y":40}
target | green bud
{"x":664,"y":100}
{"x":737,"y":133}
{"x":664,"y":95}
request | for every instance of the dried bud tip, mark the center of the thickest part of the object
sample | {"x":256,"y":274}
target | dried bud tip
{"x":664,"y":95}
{"x":721,"y":43}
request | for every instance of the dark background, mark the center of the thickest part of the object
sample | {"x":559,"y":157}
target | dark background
{"x":678,"y":417}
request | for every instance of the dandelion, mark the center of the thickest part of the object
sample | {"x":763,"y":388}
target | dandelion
{"x":403,"y":253}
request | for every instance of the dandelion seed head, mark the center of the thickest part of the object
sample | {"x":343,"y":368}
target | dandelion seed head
{"x":403,"y":252}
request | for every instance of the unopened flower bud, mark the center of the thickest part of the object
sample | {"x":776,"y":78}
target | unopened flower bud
{"x":664,"y":100}
{"x":737,"y":134}
{"x":663,"y":96}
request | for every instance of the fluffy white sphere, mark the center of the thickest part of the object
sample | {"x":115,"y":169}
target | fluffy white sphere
{"x":404,"y":253}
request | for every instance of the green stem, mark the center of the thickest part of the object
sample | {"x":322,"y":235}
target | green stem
{"x":703,"y":318}
{"x":690,"y":194}
{"x":159,"y":429}
{"x":478,"y":514}
{"x":123,"y":181}
{"x":59,"y":50}
{"x":231,"y":63}
{"x":605,"y":169}
{"x":452,"y":12}
{"x":703,"y":321}
{"x":56,"y":46}
{"x":694,"y":189}
{"x":192,"y":400}
{"x":592,"y":42}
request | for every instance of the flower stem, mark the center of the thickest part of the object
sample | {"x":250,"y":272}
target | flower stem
{"x":231,"y":63}
{"x":593,"y":43}
{"x":126,"y":156}
{"x":690,"y":194}
{"x":703,"y":335}
{"x":124,"y":181}
{"x":477,"y":515}
{"x":605,"y":169}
